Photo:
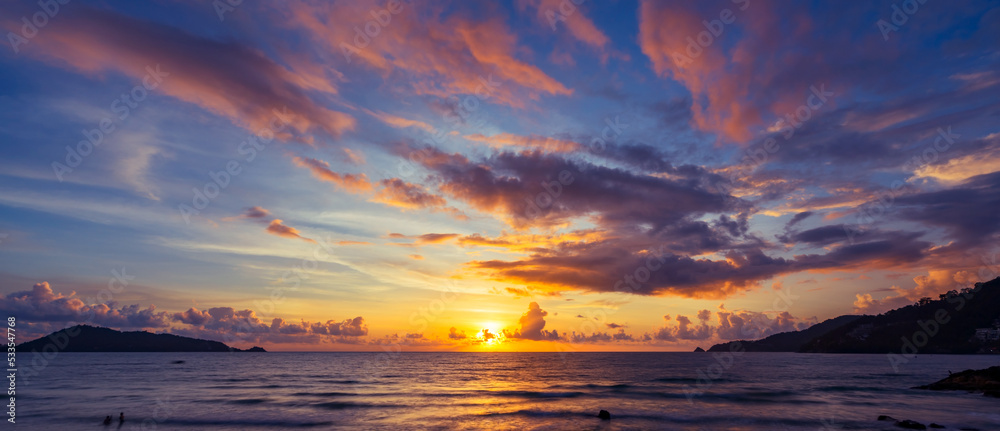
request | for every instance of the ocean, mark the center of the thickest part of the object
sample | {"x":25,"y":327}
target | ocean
{"x":549,"y":391}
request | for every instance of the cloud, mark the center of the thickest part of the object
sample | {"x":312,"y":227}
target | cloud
{"x":455,"y":334}
{"x":685,"y":330}
{"x":354,"y":157}
{"x":749,"y":325}
{"x":408,"y":196}
{"x":510,"y":141}
{"x":646,"y":266}
{"x":532,"y":325}
{"x":42,"y":305}
{"x":393,"y":192}
{"x":225,"y":78}
{"x":351,"y":183}
{"x":251,"y":213}
{"x":41,"y":310}
{"x":276,"y":228}
{"x":798,"y":218}
{"x":731,"y":325}
{"x":558,"y":12}
{"x":537,"y":189}
{"x":435,"y":238}
{"x":931,"y":285}
{"x":229,"y":325}
{"x":956,"y":171}
{"x":964,"y":211}
{"x":256,"y":213}
{"x":353,"y":243}
{"x":470,"y":56}
{"x":400,"y":122}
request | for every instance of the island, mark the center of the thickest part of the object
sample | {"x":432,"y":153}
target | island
{"x":86,"y":338}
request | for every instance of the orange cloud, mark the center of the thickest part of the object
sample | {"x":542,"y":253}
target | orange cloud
{"x":400,"y":122}
{"x":554,"y":12}
{"x":354,"y":156}
{"x":393,"y":192}
{"x":227,"y":79}
{"x":732,"y":61}
{"x":399,"y":193}
{"x":436,"y":238}
{"x":353,"y":243}
{"x":664,"y":33}
{"x":549,"y":145}
{"x":276,"y":228}
{"x":470,"y":57}
{"x":351,"y":183}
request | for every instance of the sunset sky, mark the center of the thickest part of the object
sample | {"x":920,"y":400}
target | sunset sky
{"x":526,"y":175}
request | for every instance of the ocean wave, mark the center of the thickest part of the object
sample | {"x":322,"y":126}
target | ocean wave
{"x":249,"y":401}
{"x":534,"y":394}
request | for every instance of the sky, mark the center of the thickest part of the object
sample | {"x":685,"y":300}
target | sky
{"x":527,"y":175}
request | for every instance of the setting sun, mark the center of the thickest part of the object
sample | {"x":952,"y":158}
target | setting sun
{"x":491,"y":335}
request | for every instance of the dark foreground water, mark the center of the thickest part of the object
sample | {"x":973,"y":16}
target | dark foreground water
{"x":753,"y":391}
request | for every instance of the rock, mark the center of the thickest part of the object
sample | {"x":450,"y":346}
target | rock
{"x":934,"y":425}
{"x":699,"y":350}
{"x":604,"y":415}
{"x":986,"y":381}
{"x":886,"y":418}
{"x":177,"y":362}
{"x":911,"y":425}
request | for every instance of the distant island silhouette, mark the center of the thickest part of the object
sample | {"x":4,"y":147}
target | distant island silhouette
{"x":962,"y":321}
{"x":86,"y":338}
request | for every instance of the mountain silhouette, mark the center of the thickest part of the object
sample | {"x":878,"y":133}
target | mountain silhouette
{"x":945,"y":325}
{"x":86,"y":338}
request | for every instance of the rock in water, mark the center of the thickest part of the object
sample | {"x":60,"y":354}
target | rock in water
{"x":886,"y":418}
{"x":986,"y":381}
{"x":699,"y":350}
{"x":604,"y":415}
{"x":911,"y":425}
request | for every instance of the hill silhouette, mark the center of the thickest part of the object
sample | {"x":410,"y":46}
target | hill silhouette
{"x":948,"y":323}
{"x":86,"y":338}
{"x":791,"y":341}
{"x":945,"y":325}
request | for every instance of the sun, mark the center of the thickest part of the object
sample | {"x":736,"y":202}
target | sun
{"x":491,"y":335}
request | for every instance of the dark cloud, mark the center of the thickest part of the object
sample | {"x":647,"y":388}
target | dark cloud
{"x":797,"y":218}
{"x":533,"y":188}
{"x":256,"y":213}
{"x":967,"y":212}
{"x":818,"y":237}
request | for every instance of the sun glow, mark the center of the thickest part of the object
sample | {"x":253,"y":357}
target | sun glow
{"x":491,"y":335}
